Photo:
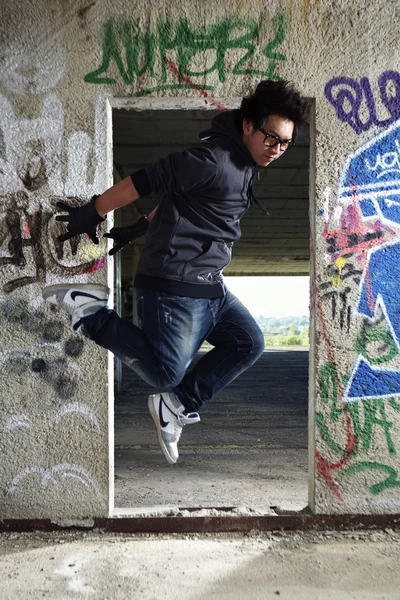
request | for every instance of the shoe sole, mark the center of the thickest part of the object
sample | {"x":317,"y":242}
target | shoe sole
{"x":163,"y":447}
{"x":96,"y":288}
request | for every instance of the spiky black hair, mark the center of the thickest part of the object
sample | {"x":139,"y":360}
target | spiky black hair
{"x":274,"y":98}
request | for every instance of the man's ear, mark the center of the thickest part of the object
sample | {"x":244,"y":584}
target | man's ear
{"x":247,"y":127}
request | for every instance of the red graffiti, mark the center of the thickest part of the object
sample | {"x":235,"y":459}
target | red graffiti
{"x":355,"y":236}
{"x":186,"y":79}
{"x":323,"y":466}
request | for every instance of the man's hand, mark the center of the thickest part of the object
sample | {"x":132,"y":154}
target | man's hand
{"x":123,"y":236}
{"x":80,"y":219}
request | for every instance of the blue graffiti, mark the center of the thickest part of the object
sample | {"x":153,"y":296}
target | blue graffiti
{"x":381,"y":286}
{"x":372,"y":175}
{"x":368,"y":383}
{"x":355,"y":103}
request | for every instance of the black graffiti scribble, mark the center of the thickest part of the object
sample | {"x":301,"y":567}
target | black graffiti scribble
{"x":18,"y":243}
{"x":338,"y":295}
{"x":354,"y":240}
{"x":41,"y":241}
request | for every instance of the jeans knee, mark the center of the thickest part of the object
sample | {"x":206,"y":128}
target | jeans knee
{"x":169,"y":378}
{"x":258,"y":344}
{"x":253,"y":347}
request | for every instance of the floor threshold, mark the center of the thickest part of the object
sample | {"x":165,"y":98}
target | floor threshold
{"x":219,"y":524}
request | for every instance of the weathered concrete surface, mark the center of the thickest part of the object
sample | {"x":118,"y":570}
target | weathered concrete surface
{"x":249,"y":451}
{"x":356,"y":565}
{"x":63,"y":67}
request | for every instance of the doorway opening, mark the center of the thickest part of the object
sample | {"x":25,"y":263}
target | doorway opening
{"x":249,"y":453}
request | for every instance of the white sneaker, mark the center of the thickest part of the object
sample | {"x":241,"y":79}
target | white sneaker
{"x":169,"y":418}
{"x":81,"y":299}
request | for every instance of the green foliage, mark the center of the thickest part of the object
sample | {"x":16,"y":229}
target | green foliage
{"x":285,"y":331}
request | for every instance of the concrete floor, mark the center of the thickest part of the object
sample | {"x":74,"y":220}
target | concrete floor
{"x":249,"y":451}
{"x":313,"y":566}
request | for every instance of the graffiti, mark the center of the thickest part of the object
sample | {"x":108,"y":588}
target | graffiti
{"x":378,"y":197}
{"x":338,"y":298}
{"x":363,"y":435}
{"x":43,"y":158}
{"x":372,"y":335}
{"x":35,"y":145}
{"x":359,"y":230}
{"x":366,"y":382}
{"x":371,"y":408}
{"x":196,"y":87}
{"x":80,"y":409}
{"x":135,"y":52}
{"x":329,"y":393}
{"x":21,"y":421}
{"x":374,"y":414}
{"x":390,"y":482}
{"x":38,"y":231}
{"x":356,"y":105}
{"x":31,"y":160}
{"x":56,"y":475}
{"x":363,"y":250}
{"x":367,"y":419}
{"x":325,"y":467}
{"x":347,"y":246}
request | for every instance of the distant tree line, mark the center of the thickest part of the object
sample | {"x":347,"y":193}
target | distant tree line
{"x":285,"y":331}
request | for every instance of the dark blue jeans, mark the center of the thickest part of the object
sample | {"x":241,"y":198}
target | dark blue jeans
{"x":171,"y":332}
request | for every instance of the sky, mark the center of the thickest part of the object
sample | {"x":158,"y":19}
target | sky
{"x":272,"y":296}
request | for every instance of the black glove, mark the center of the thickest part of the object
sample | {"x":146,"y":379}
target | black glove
{"x":80,"y":219}
{"x":123,"y":236}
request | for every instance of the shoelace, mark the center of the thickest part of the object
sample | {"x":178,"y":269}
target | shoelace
{"x":178,"y":426}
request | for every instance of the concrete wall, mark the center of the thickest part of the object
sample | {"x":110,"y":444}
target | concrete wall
{"x":62,"y":63}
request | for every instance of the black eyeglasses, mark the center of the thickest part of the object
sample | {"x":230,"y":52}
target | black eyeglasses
{"x":273,"y":140}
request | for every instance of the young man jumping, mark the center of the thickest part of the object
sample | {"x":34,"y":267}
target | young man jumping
{"x":181,"y":296}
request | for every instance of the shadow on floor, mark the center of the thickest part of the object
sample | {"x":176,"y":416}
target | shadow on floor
{"x":249,"y":450}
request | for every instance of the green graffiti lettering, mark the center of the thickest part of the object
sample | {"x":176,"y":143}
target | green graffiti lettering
{"x":325,"y":435}
{"x":167,"y":86}
{"x":390,"y":482}
{"x":139,"y":44}
{"x":375,"y":334}
{"x":328,"y":383}
{"x":134,"y":42}
{"x":394,"y":404}
{"x":134,"y":52}
{"x":364,"y":434}
{"x":329,"y":389}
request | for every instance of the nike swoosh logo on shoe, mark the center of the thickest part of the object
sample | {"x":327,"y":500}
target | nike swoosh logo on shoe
{"x":75,"y":294}
{"x":162,"y":422}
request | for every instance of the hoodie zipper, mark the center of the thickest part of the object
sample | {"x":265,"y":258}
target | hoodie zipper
{"x":250,"y":194}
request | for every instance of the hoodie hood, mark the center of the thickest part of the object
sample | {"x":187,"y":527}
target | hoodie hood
{"x":225,"y":125}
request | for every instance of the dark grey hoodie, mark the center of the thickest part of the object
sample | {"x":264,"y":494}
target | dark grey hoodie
{"x":205,"y":191}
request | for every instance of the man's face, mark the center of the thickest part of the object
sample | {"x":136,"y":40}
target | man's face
{"x":276,"y":127}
